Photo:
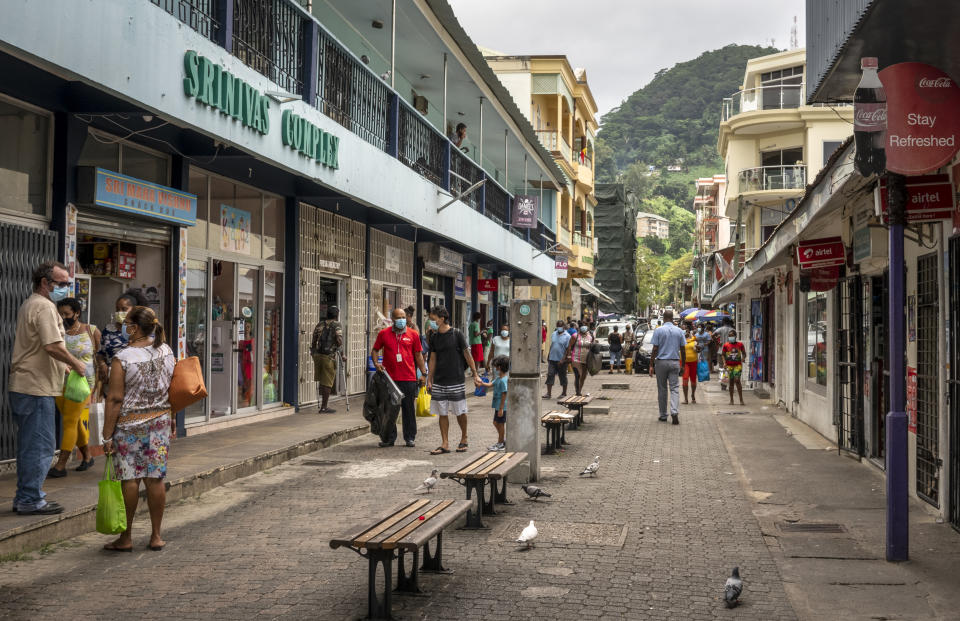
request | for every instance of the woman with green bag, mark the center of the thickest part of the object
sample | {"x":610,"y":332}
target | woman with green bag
{"x":137,"y":422}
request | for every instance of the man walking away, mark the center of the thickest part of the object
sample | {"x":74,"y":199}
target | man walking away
{"x":703,"y":345}
{"x":556,"y":360}
{"x":401,"y":360}
{"x":616,"y":349}
{"x":324,"y":348}
{"x":721,"y":334}
{"x":37,"y":368}
{"x":448,"y":353}
{"x":476,"y":338}
{"x":668,"y":357}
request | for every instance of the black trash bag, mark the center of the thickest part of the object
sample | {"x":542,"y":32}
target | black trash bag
{"x":382,"y":402}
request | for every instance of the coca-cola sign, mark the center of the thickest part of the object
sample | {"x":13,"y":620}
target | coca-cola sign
{"x":923,"y":124}
{"x":870,"y":117}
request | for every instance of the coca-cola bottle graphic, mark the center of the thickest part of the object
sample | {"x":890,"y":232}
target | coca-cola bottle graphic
{"x":870,"y":120}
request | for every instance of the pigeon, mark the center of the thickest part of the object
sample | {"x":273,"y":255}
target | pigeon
{"x":733,"y":588}
{"x":528,"y":535}
{"x":430,"y":482}
{"x":592,"y":468}
{"x":534,"y":492}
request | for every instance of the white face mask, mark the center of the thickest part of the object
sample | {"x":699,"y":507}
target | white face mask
{"x":732,"y":339}
{"x":504,"y":334}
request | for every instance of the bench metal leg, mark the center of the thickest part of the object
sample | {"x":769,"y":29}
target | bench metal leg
{"x":489,"y":498}
{"x":574,"y":423}
{"x":411,"y":583}
{"x":475,"y":518}
{"x":500,"y":494}
{"x":552,"y":439}
{"x":377,"y":608}
{"x":563,"y":436}
{"x":434,"y":562}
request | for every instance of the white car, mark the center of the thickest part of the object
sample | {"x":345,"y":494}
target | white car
{"x":603,"y":331}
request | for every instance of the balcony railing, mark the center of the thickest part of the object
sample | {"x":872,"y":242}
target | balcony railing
{"x":551,"y":142}
{"x":267,"y":36}
{"x":463,"y":174}
{"x":420,"y":146}
{"x":564,"y":237}
{"x":496,"y":203}
{"x":580,"y":239}
{"x":197,"y":14}
{"x":763,"y":98}
{"x":773,"y":178}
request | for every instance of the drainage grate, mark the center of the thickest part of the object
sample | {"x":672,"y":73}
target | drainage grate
{"x":811,"y":527}
{"x":736,"y":412}
{"x":320,"y":462}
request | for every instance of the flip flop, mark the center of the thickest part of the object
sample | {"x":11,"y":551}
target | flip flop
{"x":462,"y":447}
{"x":109,"y":547}
{"x":439,"y":451}
{"x":155,"y":548}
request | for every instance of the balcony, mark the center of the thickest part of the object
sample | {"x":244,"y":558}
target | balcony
{"x":564,"y":237}
{"x":764,"y":178}
{"x":558,"y":146}
{"x":763,"y":98}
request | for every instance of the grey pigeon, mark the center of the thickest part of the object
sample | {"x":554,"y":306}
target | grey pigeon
{"x":534,"y":492}
{"x":527,"y":535}
{"x":430,"y":482}
{"x":733,"y":588}
{"x":592,"y":468}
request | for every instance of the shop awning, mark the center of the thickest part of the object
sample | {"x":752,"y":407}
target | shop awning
{"x":592,"y":290}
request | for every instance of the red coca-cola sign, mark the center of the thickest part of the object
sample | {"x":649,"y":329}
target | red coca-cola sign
{"x":824,"y":252}
{"x":923,"y":118}
{"x":870,"y":117}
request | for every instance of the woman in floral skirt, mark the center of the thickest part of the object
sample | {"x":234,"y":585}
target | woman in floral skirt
{"x":138,"y":421}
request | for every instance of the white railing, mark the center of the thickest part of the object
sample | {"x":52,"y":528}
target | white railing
{"x":773,"y":178}
{"x":550,"y":141}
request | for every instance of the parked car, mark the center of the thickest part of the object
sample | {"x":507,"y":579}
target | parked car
{"x":602,"y":332}
{"x":641,"y":359}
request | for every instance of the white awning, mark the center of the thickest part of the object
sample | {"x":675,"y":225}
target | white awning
{"x":592,"y":290}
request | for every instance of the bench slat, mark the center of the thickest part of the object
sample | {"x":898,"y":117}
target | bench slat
{"x":441,"y":521}
{"x":479,"y":463}
{"x":390,"y":521}
{"x":390,"y":542}
{"x":347,"y":538}
{"x":492,"y":465}
{"x":504,"y":469}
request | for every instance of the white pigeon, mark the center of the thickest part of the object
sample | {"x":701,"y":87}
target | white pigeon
{"x":430,"y":482}
{"x":592,"y":468}
{"x":732,"y":589}
{"x":528,"y":535}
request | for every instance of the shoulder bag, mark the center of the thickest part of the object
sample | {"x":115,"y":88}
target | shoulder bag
{"x":186,"y":387}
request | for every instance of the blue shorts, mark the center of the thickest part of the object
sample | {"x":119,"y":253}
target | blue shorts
{"x":499,"y":419}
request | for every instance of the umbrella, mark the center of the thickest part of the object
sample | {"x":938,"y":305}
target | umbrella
{"x":714,"y":314}
{"x":692,"y":309}
{"x":692,"y":315}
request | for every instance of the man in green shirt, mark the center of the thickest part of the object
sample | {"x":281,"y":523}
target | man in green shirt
{"x":476,"y":344}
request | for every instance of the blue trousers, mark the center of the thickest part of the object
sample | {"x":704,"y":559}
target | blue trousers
{"x":35,"y":418}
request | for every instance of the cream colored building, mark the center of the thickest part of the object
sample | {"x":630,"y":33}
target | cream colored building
{"x":652,"y":225}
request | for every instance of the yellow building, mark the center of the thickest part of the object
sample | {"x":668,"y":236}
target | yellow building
{"x":559,"y":104}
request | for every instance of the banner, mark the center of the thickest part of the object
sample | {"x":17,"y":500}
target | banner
{"x":234,"y":230}
{"x":487,"y":284}
{"x":526,"y":211}
{"x":560,"y":266}
{"x":824,"y":252}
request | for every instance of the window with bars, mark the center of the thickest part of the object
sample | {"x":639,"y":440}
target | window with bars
{"x":928,"y":374}
{"x":268,"y":37}
{"x":198,"y":14}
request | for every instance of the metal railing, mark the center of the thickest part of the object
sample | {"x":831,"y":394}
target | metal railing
{"x":350,"y":93}
{"x":267,"y":37}
{"x":420,"y":146}
{"x":773,"y":178}
{"x":496,"y":203}
{"x":581,"y":239}
{"x":197,"y":14}
{"x":780,"y":97}
{"x":463,"y":174}
{"x":565,"y":237}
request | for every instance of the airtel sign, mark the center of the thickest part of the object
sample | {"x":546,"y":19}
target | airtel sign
{"x":824,"y":252}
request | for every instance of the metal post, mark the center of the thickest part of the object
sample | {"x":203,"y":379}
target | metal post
{"x":444,"y":126}
{"x":393,"y":42}
{"x":506,"y":159}
{"x":898,"y":513}
{"x":480,"y":136}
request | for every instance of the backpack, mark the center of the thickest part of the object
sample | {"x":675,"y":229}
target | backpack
{"x":324,"y":338}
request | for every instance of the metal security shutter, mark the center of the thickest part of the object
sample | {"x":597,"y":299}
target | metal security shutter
{"x":121,"y":227}
{"x":309,"y":316}
{"x":953,"y":383}
{"x":408,"y":297}
{"x":928,"y":374}
{"x":848,"y":415}
{"x":21,"y":250}
{"x":356,"y":335}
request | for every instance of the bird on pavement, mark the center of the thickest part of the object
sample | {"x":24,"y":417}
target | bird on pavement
{"x":592,"y":468}
{"x":430,"y":482}
{"x":733,"y":588}
{"x":528,"y":535}
{"x":534,"y":492}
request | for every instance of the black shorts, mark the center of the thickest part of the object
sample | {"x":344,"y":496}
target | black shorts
{"x":499,"y":419}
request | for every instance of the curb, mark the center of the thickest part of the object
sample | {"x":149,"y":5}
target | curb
{"x":82,"y":520}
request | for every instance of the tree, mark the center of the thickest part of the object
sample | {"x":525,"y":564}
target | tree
{"x":654,"y":244}
{"x":637,"y":179}
{"x":679,"y":269}
{"x":648,"y":277}
{"x":606,"y":164}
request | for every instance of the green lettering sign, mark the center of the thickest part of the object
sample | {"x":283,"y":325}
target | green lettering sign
{"x":306,"y":138}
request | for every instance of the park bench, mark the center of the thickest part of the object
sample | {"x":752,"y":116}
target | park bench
{"x":555,"y":423}
{"x":475,"y":472}
{"x":406,"y":529}
{"x":576,"y":403}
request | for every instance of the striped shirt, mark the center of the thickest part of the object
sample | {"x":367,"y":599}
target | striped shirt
{"x":453,"y":392}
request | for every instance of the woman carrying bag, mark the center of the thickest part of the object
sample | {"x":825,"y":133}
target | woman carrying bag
{"x":137,"y":425}
{"x":577,"y":351}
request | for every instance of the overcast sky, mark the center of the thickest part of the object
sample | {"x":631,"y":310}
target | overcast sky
{"x":623,"y":43}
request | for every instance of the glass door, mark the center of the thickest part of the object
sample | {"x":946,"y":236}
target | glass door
{"x":198,"y":299}
{"x":220,"y":386}
{"x":246,"y":335}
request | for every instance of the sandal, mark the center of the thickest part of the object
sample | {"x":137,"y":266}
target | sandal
{"x":112,"y":547}
{"x":462,"y":447}
{"x":439,"y":451}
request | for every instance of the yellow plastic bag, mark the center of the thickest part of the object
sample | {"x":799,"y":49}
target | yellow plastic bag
{"x":423,"y":403}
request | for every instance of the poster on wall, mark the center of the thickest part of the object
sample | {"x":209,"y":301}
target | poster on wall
{"x":70,"y":240}
{"x":756,"y":340}
{"x":911,"y":400}
{"x":234,"y":230}
{"x":391,"y":259}
{"x":182,"y":296}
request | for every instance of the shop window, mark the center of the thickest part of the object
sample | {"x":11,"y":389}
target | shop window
{"x":817,"y":338}
{"x":23,"y":159}
{"x":246,"y":224}
{"x":222,"y":199}
{"x":273,"y":228}
{"x":143,"y":165}
{"x":272,"y":321}
{"x":196,"y":334}
{"x":112,"y":153}
{"x":199,"y":185}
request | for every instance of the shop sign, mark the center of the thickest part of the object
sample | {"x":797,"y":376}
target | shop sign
{"x":929,"y":198}
{"x":459,"y":287}
{"x":332,"y":266}
{"x":301,"y":135}
{"x":450,"y":258}
{"x":209,"y":83}
{"x":234,"y":230}
{"x":391,"y":259}
{"x":487,"y":284}
{"x":116,"y":191}
{"x":823,"y":252}
{"x":911,"y":400}
{"x":561,"y":265}
{"x":955,"y":172}
{"x":861,"y":244}
{"x":820,"y":278}
{"x":922,"y":120}
{"x":526,"y":210}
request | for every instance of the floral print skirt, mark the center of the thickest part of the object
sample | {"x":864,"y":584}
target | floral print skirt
{"x":141,"y":449}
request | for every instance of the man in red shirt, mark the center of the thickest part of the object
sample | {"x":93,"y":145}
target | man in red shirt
{"x":402,"y":358}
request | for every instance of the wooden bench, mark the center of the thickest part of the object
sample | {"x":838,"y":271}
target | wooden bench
{"x":576,"y":403}
{"x":406,"y":529}
{"x":476,"y":471}
{"x":556,"y":422}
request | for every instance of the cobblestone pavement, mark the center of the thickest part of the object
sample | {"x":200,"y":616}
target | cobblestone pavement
{"x":653,"y":536}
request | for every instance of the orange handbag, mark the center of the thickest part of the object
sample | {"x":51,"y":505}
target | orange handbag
{"x":186,"y":387}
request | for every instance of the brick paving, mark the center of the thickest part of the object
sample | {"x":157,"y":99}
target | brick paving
{"x":258,"y":546}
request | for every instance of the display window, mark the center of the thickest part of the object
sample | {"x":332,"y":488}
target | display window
{"x":817,"y":338}
{"x":24,"y":158}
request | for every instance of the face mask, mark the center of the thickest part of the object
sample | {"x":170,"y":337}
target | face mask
{"x":119,"y":316}
{"x":123,"y":331}
{"x":70,"y":322}
{"x":583,"y":329}
{"x":432,"y":324}
{"x":732,"y":339}
{"x":400,"y":324}
{"x":59,"y":293}
{"x":560,"y":330}
{"x":504,"y":334}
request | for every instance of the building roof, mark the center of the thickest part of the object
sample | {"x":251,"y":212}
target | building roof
{"x":653,"y":216}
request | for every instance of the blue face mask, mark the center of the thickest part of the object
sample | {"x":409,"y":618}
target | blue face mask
{"x":123,"y":331}
{"x":60,"y":293}
{"x":400,"y":324}
{"x":432,"y":324}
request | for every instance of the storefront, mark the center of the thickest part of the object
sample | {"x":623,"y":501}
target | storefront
{"x":391,"y":279}
{"x":442,"y":268}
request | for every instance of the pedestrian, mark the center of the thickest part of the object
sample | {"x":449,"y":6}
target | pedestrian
{"x":577,"y":350}
{"x":448,"y":353}
{"x":325,"y":349}
{"x":703,"y":344}
{"x":543,"y":338}
{"x":734,"y":354}
{"x":720,"y":334}
{"x":690,"y":354}
{"x":499,"y":346}
{"x":40,"y":359}
{"x":557,"y":361}
{"x":668,"y":356}
{"x":137,"y":422}
{"x":424,"y":334}
{"x":616,"y":349}
{"x":628,"y":338}
{"x":112,"y":339}
{"x":475,"y":333}
{"x":402,"y":358}
{"x":501,"y":366}
{"x":713,"y":346}
{"x":572,"y":328}
{"x":82,"y":341}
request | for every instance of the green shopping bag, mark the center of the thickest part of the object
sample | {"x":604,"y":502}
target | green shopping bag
{"x":111,"y":512}
{"x":77,"y":388}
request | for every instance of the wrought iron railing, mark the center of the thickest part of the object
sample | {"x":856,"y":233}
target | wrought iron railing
{"x":496,"y":203}
{"x":268,"y":36}
{"x":463,"y":174}
{"x":763,"y":98}
{"x":773,"y":178}
{"x":350,"y":93}
{"x":198,"y":14}
{"x":420,"y":146}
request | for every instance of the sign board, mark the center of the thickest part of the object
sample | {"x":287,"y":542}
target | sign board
{"x":911,"y":399}
{"x":487,"y":284}
{"x":561,"y":265}
{"x":820,"y":278}
{"x":526,"y":211}
{"x":955,"y":173}
{"x":823,"y":252}
{"x":234,"y":230}
{"x":929,"y":198}
{"x":391,"y":259}
{"x":105,"y":188}
{"x":459,"y":287}
{"x":861,"y":244}
{"x":922,"y":120}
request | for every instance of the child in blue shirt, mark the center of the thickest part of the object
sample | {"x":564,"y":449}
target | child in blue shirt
{"x":502,"y":366}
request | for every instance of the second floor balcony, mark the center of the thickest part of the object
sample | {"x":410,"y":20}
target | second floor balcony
{"x":556,"y":143}
{"x":780,"y":97}
{"x":763,"y":178}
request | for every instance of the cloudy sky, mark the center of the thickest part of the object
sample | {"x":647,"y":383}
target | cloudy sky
{"x":623,"y":43}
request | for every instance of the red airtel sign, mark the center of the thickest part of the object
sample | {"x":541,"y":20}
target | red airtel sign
{"x":825,"y":252}
{"x":923,"y":123}
{"x":487,"y":284}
